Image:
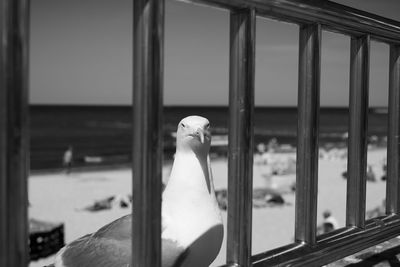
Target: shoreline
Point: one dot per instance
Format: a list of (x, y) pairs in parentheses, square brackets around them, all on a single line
[(168, 158)]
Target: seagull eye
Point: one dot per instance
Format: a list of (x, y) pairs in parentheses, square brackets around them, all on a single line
[(207, 125), (183, 125)]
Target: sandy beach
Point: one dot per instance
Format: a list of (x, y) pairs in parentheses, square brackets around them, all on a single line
[(58, 197)]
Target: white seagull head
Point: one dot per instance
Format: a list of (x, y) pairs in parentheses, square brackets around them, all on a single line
[(193, 134)]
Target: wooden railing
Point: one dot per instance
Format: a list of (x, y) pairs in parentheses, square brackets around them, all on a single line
[(312, 17), (14, 136)]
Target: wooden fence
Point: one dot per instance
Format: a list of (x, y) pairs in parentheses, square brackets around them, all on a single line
[(312, 17)]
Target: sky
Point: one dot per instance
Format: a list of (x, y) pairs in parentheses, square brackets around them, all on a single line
[(81, 53)]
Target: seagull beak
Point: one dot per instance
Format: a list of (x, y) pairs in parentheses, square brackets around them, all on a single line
[(200, 133)]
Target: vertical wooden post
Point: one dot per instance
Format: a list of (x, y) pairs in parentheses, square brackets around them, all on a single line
[(358, 127), (393, 147), (148, 35), (307, 133), (240, 164), (14, 139)]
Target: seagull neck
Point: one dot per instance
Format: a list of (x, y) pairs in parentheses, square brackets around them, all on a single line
[(188, 163)]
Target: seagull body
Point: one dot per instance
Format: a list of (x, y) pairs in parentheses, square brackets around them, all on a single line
[(192, 229)]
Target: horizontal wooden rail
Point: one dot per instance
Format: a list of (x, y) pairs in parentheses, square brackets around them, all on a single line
[(331, 246), (330, 15)]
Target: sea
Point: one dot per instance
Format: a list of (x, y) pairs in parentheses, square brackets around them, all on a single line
[(102, 135)]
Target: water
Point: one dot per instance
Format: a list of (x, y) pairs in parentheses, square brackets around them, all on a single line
[(101, 135)]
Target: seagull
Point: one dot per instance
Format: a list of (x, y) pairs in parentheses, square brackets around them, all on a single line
[(192, 229)]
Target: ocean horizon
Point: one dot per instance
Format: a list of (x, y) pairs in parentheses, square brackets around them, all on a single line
[(101, 135)]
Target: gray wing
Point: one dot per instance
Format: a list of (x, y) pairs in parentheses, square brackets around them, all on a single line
[(108, 247), (90, 251), (111, 247)]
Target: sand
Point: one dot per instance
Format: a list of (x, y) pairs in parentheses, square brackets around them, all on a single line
[(58, 197)]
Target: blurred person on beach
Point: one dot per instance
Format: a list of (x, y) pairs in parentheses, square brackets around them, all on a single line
[(258, 157), (329, 223), (264, 152), (273, 145), (370, 174), (67, 159), (384, 168), (262, 159), (271, 161)]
